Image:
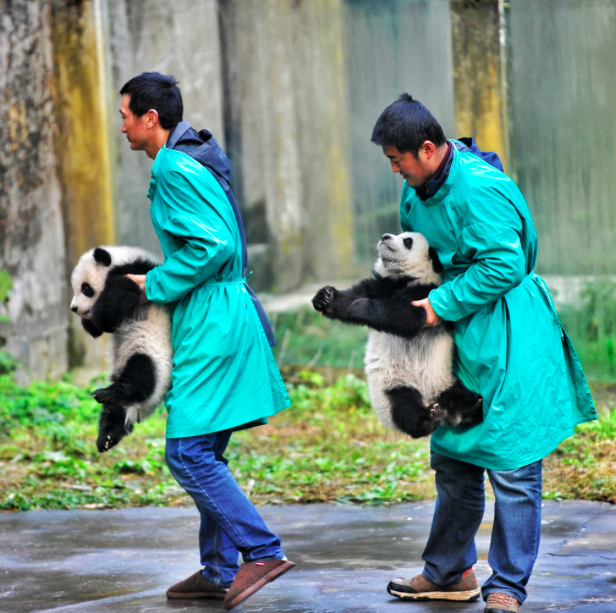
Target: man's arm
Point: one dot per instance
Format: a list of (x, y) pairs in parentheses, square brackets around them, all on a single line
[(498, 266), (206, 242)]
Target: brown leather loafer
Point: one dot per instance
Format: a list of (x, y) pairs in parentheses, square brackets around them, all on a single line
[(195, 587), (252, 576)]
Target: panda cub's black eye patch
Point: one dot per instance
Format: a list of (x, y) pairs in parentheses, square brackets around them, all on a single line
[(86, 290), (408, 243)]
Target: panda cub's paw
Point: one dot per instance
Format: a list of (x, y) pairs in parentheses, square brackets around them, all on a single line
[(104, 395), (436, 411), (323, 298), (112, 427)]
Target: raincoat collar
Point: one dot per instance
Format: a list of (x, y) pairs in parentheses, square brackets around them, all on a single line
[(430, 187), (154, 175), (460, 145), (445, 187)]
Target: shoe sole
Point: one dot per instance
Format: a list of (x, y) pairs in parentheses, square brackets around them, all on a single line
[(271, 576), (467, 596), (191, 595)]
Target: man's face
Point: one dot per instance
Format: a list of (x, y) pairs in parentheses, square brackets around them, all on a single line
[(134, 127), (414, 170)]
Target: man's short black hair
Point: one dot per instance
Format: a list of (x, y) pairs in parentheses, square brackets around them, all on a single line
[(152, 90), (407, 124)]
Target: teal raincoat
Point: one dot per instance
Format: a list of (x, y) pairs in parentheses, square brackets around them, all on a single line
[(224, 373), (511, 346)]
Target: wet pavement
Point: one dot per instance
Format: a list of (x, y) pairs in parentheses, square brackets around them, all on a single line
[(123, 560)]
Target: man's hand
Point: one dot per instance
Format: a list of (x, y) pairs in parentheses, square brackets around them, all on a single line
[(432, 319), (140, 281)]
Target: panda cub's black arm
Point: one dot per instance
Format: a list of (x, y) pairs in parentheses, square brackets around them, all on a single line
[(375, 304), (395, 315), (335, 303), (116, 303)]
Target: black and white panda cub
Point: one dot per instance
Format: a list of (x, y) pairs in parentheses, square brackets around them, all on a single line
[(140, 352), (408, 367)]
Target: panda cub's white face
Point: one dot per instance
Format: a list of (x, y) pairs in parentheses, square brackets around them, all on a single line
[(90, 274), (87, 280), (406, 255)]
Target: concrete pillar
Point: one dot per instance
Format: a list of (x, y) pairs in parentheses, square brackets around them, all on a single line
[(320, 89), (31, 232), (479, 74), (82, 138), (82, 145)]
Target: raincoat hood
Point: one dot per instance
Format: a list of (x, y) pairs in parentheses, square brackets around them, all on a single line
[(467, 144), (200, 146)]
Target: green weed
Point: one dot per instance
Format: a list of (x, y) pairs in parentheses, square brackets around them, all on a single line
[(328, 447)]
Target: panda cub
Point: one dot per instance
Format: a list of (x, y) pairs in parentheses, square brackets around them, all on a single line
[(140, 353), (409, 368)]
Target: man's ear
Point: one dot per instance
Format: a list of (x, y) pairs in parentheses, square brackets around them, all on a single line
[(102, 256), (436, 263), (151, 118), (429, 149)]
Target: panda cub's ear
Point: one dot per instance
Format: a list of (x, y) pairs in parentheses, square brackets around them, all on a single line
[(436, 263), (102, 256)]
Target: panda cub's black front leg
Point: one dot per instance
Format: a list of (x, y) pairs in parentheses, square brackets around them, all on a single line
[(392, 314), (334, 303), (134, 384)]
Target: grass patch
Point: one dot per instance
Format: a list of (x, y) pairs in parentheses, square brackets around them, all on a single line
[(306, 339), (328, 447), (584, 466), (591, 324)]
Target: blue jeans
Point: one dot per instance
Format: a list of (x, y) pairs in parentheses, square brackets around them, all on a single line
[(229, 521), (458, 514)]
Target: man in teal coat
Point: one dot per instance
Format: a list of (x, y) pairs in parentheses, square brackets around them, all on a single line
[(512, 350), (224, 375)]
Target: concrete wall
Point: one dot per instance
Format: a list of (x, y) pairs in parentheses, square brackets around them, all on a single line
[(291, 89), (179, 38), (286, 129), (563, 87), (31, 231), (390, 47)]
